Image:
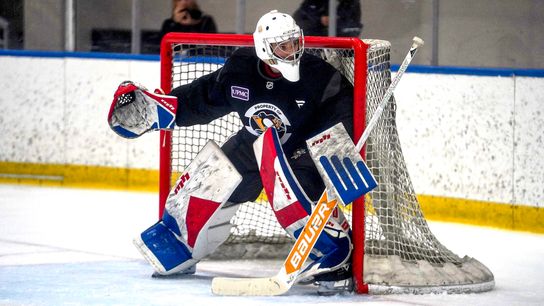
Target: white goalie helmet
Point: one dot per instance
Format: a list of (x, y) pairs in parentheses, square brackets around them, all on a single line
[(279, 42)]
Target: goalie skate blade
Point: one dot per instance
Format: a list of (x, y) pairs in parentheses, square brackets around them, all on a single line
[(266, 286)]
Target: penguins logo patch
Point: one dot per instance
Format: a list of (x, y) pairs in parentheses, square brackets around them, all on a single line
[(262, 116)]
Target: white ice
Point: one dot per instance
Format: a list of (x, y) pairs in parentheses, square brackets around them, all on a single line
[(63, 246)]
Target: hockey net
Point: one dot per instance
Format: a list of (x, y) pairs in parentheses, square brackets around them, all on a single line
[(394, 249)]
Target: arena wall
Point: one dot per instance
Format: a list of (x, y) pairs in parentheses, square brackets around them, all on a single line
[(472, 138)]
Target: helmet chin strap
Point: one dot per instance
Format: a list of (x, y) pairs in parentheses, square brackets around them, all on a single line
[(274, 70)]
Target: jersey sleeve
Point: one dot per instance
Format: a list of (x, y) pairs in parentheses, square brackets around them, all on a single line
[(202, 100)]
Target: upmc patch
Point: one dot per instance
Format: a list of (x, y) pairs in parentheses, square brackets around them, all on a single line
[(239, 93)]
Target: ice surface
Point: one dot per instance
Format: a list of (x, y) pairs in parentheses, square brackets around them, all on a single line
[(63, 246)]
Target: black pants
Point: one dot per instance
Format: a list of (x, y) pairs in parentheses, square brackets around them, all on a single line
[(241, 154)]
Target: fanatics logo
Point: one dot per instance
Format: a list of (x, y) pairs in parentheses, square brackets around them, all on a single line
[(239, 93)]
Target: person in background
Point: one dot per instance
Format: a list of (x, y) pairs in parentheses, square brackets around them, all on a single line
[(313, 18), (187, 17)]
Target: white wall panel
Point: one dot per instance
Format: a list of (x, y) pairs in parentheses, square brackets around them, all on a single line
[(529, 141), (457, 132), (32, 116), (90, 87)]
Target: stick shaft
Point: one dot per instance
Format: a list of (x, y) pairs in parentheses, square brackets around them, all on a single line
[(383, 103)]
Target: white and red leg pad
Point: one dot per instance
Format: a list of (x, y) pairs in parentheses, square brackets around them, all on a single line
[(292, 206), (195, 221), (134, 110), (289, 202)]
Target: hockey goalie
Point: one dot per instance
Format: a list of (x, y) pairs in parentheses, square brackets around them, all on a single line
[(273, 86)]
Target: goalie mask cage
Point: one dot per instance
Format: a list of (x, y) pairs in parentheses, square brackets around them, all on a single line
[(394, 250)]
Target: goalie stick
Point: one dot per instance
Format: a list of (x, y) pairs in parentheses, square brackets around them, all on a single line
[(338, 160), (286, 277)]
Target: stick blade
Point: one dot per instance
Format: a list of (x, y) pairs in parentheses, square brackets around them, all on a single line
[(266, 286)]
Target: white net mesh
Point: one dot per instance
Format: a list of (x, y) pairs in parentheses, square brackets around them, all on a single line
[(400, 249), (401, 253)]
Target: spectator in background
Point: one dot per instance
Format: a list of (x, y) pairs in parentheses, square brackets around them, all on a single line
[(187, 17), (313, 18)]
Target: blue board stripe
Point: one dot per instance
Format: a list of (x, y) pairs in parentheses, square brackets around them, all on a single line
[(478, 71)]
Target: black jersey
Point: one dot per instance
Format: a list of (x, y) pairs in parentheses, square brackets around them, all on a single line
[(298, 110)]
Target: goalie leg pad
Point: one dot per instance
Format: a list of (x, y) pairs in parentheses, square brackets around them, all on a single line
[(289, 202), (215, 231), (196, 220), (162, 246), (134, 111)]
